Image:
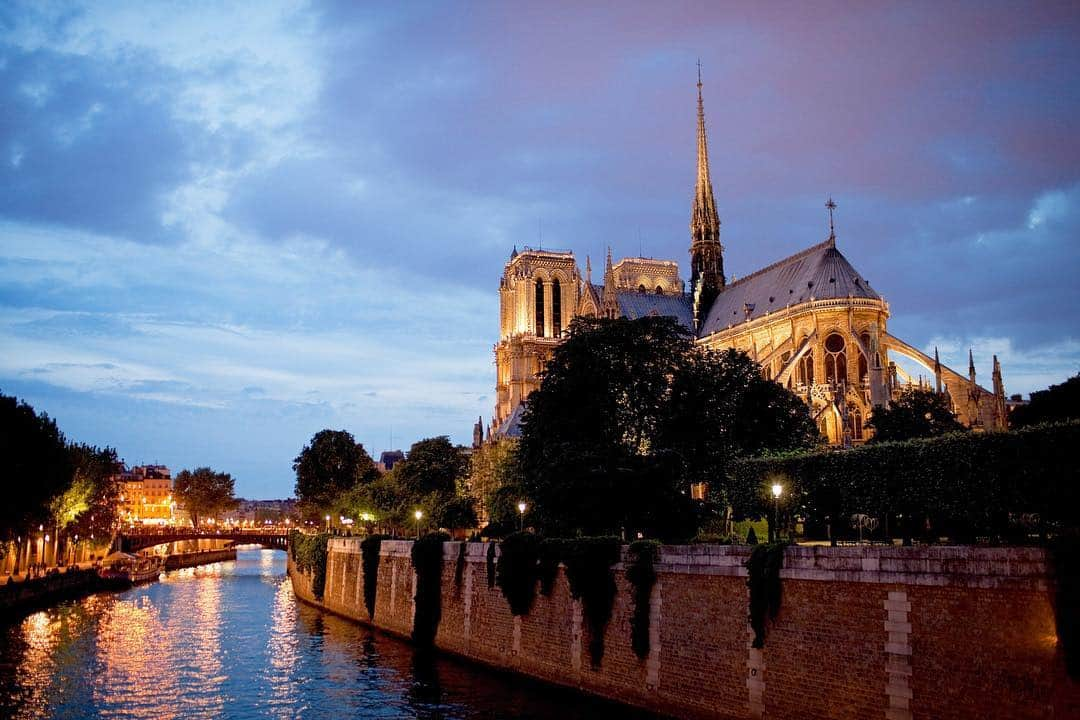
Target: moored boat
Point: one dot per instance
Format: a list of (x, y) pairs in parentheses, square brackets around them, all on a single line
[(126, 569)]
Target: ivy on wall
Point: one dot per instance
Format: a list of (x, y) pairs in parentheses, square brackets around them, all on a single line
[(588, 564), (516, 574), (1065, 560), (549, 556), (641, 574), (427, 560), (309, 554), (763, 579), (491, 565), (369, 554), (459, 567)]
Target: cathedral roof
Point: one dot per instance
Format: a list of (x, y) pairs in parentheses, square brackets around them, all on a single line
[(634, 305), (820, 272), (511, 426)]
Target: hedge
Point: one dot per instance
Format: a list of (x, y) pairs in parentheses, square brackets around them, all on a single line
[(997, 485)]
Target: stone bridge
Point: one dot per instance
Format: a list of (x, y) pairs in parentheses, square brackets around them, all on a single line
[(140, 540)]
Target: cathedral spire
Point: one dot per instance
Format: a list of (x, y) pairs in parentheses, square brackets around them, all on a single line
[(937, 371), (706, 253)]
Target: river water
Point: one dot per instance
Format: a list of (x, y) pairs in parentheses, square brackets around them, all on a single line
[(229, 640)]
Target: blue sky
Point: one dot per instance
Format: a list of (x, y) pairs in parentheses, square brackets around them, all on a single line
[(224, 227)]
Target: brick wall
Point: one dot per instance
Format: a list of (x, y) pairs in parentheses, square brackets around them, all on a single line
[(894, 633)]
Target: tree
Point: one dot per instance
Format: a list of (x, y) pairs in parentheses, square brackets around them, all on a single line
[(629, 413), (1056, 403), (492, 466), (34, 465), (915, 413), (331, 464), (204, 492), (101, 468), (433, 465)]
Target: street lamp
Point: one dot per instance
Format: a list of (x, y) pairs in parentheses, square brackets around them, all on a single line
[(418, 514), (777, 489), (327, 523), (521, 515)]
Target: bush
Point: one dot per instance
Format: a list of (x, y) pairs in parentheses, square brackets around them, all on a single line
[(309, 554), (641, 574), (369, 553), (427, 560), (964, 485), (763, 579), (517, 573)]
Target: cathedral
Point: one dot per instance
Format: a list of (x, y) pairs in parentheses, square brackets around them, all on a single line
[(811, 321)]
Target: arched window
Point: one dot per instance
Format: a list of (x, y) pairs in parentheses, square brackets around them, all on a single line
[(659, 290), (641, 288), (864, 370), (539, 308), (835, 359), (806, 368), (556, 309), (856, 424)]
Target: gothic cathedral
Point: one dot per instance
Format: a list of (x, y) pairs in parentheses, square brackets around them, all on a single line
[(811, 321)]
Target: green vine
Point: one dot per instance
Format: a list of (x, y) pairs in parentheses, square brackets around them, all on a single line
[(309, 554), (517, 571), (550, 555), (1065, 558), (763, 579), (427, 560), (588, 568), (641, 574), (459, 568), (491, 565), (369, 553)]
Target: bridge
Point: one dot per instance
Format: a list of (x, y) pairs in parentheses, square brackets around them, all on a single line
[(140, 539)]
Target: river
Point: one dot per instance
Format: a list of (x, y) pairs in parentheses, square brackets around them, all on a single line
[(229, 640)]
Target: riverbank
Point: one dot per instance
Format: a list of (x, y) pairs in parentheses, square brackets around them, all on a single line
[(861, 632), (17, 597)]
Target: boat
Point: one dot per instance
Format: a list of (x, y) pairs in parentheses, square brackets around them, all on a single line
[(122, 568)]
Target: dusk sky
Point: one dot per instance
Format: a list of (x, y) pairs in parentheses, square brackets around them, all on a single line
[(226, 227)]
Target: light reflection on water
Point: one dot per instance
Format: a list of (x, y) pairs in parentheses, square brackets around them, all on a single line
[(229, 640)]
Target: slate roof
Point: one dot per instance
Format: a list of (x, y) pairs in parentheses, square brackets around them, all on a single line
[(634, 305), (820, 272), (511, 426)]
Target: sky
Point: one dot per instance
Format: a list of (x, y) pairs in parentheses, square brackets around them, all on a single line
[(227, 226)]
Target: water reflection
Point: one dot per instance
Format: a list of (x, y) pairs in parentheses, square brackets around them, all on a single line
[(230, 641)]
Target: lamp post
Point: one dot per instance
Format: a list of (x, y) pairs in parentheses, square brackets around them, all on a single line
[(418, 514), (521, 515), (777, 489), (327, 523)]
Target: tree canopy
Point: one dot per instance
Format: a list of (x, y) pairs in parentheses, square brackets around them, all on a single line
[(914, 413), (36, 466), (204, 492), (331, 464), (1056, 403), (629, 413)]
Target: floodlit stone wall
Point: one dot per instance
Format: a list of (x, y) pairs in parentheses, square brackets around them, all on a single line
[(942, 632)]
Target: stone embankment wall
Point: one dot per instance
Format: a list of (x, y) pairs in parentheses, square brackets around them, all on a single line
[(937, 632)]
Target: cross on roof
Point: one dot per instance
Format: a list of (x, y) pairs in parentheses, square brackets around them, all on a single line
[(831, 206)]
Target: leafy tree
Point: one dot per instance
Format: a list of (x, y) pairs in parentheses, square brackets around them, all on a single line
[(204, 492), (331, 464), (629, 413), (35, 466), (1056, 403), (491, 467), (101, 468), (433, 465), (915, 413)]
